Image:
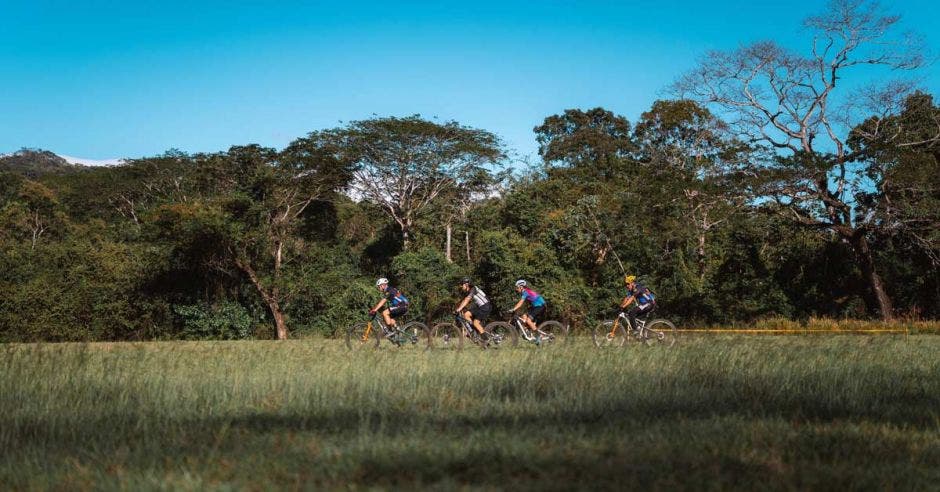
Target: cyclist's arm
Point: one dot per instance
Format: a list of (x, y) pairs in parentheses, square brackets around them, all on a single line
[(518, 304), (379, 305), (463, 304), (626, 302)]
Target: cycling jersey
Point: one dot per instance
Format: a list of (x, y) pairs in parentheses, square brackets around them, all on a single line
[(533, 297), (642, 295), (478, 296), (394, 297)]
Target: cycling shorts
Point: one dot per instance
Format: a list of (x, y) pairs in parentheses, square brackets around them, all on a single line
[(481, 313)]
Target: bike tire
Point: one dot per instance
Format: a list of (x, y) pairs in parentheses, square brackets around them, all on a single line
[(502, 334), (661, 332), (508, 336), (445, 336), (558, 333), (355, 336), (419, 335), (601, 335)]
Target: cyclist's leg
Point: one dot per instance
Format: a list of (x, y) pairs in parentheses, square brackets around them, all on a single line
[(631, 315), (395, 312), (533, 316), (640, 311), (387, 317), (478, 315)]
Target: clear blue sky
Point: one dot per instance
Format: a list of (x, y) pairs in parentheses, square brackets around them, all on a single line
[(104, 79)]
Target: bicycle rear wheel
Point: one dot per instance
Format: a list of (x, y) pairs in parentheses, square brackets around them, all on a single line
[(553, 333), (605, 335), (502, 334), (359, 336), (661, 332), (415, 335), (445, 336)]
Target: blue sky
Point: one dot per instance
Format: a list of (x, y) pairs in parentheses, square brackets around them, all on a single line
[(99, 79)]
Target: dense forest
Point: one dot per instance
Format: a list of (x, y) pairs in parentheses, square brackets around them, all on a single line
[(733, 204)]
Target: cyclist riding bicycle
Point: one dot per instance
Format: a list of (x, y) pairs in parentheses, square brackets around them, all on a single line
[(397, 303), (536, 304), (481, 308), (645, 300)]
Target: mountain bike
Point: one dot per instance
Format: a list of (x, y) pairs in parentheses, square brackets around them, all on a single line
[(548, 333), (405, 334), (618, 332), (452, 335)]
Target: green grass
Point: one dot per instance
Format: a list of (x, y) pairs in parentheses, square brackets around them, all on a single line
[(821, 412)]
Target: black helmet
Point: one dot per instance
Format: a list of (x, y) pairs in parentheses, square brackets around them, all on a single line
[(464, 280)]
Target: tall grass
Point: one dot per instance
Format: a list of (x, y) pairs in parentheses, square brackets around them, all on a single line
[(717, 412)]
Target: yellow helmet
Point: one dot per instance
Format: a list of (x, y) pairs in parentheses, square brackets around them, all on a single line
[(629, 279)]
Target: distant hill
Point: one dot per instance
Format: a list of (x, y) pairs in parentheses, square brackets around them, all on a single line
[(35, 163)]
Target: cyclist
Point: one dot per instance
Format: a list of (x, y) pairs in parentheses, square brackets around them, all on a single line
[(397, 303), (536, 304), (481, 308), (645, 300)]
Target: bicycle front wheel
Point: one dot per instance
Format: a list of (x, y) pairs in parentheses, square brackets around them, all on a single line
[(361, 335), (553, 333), (445, 336), (606, 335), (502, 334), (661, 332)]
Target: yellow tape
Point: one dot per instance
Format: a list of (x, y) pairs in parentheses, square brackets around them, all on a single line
[(768, 330)]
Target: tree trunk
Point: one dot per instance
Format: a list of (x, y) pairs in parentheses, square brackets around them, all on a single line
[(866, 262), (406, 235), (700, 252), (466, 238), (270, 298), (447, 252)]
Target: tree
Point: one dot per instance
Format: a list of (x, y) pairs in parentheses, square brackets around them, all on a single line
[(904, 196), (251, 203), (691, 159), (595, 139), (404, 164), (797, 107)]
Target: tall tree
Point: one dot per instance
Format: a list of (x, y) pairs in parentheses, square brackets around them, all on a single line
[(404, 164), (904, 196), (595, 139), (797, 106), (691, 159), (251, 205)]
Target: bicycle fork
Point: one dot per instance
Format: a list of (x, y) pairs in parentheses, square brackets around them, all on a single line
[(365, 334)]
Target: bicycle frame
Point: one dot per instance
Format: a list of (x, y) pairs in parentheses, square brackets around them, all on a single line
[(524, 329), (641, 328), (385, 329)]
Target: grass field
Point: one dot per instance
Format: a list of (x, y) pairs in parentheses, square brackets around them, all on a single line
[(716, 412)]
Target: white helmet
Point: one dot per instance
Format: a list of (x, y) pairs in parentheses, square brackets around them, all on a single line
[(379, 282), (521, 283)]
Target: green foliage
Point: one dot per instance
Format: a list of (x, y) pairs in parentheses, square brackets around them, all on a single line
[(226, 321), (427, 279), (192, 246)]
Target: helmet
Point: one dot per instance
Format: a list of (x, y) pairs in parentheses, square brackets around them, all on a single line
[(521, 283), (629, 279), (379, 282), (464, 280)]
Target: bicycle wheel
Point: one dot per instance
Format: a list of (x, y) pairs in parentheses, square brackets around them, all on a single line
[(605, 335), (357, 336), (553, 333), (502, 334), (661, 332), (445, 336), (415, 335)]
